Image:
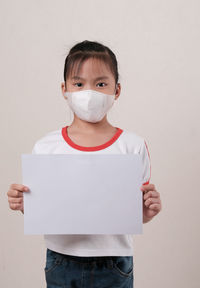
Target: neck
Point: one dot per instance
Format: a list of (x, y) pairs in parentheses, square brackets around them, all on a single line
[(78, 124)]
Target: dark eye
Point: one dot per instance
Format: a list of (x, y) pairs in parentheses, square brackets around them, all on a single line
[(102, 83), (78, 83)]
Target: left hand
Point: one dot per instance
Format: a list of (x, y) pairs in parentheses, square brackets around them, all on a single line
[(151, 201)]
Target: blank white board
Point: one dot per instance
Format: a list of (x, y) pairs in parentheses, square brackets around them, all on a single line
[(82, 194)]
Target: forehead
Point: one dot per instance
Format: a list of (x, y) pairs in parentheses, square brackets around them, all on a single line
[(91, 68)]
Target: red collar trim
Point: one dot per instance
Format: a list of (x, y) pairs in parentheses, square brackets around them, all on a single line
[(91, 148)]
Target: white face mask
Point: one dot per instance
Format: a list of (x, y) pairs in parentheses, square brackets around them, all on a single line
[(90, 105)]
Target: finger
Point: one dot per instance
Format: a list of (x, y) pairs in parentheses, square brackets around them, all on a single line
[(150, 201), (155, 207), (152, 194), (15, 200), (15, 193), (19, 187), (147, 187), (15, 206)]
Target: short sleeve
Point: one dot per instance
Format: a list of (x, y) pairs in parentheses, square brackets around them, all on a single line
[(146, 161)]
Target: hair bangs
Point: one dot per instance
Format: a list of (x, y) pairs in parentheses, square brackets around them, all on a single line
[(76, 61)]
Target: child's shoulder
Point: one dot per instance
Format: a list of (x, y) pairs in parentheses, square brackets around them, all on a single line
[(131, 141), (47, 140), (50, 136), (132, 137)]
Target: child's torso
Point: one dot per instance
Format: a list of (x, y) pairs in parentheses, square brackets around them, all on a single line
[(122, 142)]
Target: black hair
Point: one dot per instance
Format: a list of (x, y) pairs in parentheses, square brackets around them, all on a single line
[(90, 49)]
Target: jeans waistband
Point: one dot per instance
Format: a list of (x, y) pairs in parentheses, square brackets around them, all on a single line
[(108, 260)]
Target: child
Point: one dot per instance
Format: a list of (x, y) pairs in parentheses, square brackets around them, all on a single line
[(91, 87)]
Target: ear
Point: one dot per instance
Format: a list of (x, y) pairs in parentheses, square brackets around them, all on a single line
[(63, 89), (118, 90)]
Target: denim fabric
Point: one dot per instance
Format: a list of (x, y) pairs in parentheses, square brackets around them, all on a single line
[(69, 271)]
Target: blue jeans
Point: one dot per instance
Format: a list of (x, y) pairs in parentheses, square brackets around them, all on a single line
[(69, 271)]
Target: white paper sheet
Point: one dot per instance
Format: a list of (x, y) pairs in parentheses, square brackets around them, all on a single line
[(82, 194)]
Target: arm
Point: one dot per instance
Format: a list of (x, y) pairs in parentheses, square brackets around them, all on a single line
[(151, 197)]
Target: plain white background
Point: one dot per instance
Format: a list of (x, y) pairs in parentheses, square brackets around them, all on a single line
[(157, 46)]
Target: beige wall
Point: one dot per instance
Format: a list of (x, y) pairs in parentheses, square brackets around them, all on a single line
[(157, 45)]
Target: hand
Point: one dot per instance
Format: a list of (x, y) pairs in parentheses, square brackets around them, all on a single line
[(15, 196), (151, 202)]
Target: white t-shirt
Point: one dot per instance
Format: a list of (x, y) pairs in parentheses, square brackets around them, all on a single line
[(123, 142)]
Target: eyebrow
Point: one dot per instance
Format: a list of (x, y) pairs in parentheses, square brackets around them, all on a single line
[(98, 78)]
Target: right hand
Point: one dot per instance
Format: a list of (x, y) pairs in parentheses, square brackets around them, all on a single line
[(15, 196)]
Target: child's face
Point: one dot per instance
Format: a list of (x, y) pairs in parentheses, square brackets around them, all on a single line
[(91, 70)]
